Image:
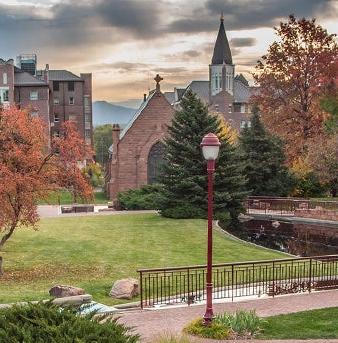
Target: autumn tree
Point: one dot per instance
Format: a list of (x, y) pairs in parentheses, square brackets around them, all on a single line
[(291, 77), (31, 167), (323, 159)]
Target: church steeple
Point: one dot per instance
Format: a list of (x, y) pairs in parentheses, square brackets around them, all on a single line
[(222, 52), (221, 69)]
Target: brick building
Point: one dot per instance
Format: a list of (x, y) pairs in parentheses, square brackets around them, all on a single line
[(53, 95), (137, 150)]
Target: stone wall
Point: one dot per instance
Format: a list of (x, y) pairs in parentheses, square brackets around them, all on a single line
[(317, 213)]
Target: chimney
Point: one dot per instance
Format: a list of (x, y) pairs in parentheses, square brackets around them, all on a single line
[(116, 136), (144, 97), (46, 73)]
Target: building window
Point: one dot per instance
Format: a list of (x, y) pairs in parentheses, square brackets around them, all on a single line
[(72, 117), (4, 78), (71, 100), (33, 95), (56, 133), (56, 86), (86, 101), (243, 124), (88, 133), (56, 101), (56, 118), (230, 108), (87, 118), (70, 86), (4, 95), (249, 123), (243, 108)]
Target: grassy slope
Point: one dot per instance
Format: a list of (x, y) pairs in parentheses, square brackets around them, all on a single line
[(92, 252), (314, 324)]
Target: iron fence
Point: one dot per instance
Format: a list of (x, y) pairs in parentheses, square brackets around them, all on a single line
[(285, 206), (231, 280)]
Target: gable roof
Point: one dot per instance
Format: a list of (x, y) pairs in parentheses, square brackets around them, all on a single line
[(22, 78), (170, 96), (242, 92), (201, 89), (63, 75), (222, 52), (137, 114)]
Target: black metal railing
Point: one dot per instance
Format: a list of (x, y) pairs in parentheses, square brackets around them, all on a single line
[(285, 206), (230, 280)]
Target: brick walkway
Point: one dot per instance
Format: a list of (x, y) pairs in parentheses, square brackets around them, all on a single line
[(151, 324)]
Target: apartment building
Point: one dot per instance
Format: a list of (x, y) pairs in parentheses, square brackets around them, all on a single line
[(54, 95)]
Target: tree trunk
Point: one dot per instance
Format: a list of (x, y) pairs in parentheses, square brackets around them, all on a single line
[(1, 266)]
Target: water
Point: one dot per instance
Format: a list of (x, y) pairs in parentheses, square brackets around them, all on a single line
[(301, 239)]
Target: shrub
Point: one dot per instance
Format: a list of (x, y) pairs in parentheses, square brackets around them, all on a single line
[(48, 323), (147, 197), (185, 211), (242, 323), (215, 330)]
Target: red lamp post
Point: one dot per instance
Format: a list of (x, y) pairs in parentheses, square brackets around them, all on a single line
[(210, 148)]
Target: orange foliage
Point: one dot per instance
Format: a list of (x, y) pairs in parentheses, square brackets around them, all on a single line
[(292, 76), (30, 169)]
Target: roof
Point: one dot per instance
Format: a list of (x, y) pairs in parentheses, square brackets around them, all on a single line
[(22, 78), (63, 75), (222, 52), (242, 92), (170, 96), (241, 78), (180, 92), (201, 89)]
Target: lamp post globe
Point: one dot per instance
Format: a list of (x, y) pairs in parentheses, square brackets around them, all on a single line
[(210, 148)]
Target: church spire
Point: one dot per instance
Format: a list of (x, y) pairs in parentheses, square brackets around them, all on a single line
[(222, 52)]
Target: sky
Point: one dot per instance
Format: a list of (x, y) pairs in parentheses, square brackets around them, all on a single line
[(125, 43)]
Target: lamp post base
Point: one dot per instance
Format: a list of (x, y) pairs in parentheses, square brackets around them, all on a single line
[(209, 314)]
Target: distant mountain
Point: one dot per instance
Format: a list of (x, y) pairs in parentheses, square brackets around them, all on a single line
[(109, 113), (131, 103)]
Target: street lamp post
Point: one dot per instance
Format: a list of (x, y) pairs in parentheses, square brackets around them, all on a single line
[(210, 148)]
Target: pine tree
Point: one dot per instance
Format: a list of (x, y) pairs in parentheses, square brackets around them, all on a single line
[(264, 160), (184, 175)]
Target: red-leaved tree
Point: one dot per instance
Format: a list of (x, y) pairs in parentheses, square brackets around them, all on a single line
[(292, 76), (31, 167)]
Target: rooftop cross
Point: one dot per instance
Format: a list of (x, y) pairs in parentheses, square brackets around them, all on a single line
[(158, 79)]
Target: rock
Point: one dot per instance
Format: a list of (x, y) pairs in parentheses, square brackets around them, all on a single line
[(125, 289), (61, 291)]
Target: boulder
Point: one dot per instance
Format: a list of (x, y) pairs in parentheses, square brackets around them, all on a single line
[(61, 291), (125, 289)]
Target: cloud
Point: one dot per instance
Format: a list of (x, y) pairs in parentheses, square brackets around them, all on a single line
[(250, 14), (242, 42)]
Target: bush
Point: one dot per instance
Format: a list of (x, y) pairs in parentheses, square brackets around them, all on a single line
[(147, 197), (185, 211), (48, 323), (215, 330), (308, 186), (242, 323)]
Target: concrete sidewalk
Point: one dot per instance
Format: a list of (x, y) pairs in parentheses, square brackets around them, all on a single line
[(153, 323)]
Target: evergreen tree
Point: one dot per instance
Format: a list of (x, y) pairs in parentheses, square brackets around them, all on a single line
[(184, 174), (264, 160)]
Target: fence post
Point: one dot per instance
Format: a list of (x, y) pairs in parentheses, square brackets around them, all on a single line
[(273, 279), (232, 283), (141, 290), (310, 276)]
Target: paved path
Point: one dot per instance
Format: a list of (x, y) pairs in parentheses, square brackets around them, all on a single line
[(150, 324)]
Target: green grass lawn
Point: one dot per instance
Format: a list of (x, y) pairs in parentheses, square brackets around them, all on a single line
[(313, 324), (94, 251), (65, 198)]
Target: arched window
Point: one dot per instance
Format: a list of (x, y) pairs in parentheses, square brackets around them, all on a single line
[(155, 161)]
